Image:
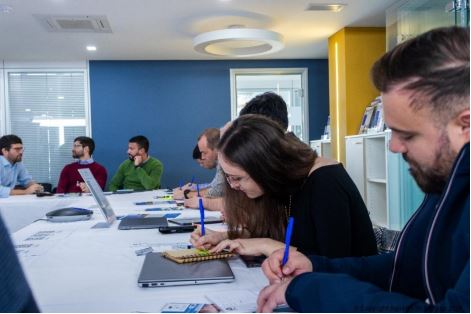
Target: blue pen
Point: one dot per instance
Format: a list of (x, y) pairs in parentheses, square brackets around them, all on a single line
[(181, 185), (192, 180), (198, 189), (201, 216), (289, 231)]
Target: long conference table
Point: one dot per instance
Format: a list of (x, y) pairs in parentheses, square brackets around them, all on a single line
[(72, 267)]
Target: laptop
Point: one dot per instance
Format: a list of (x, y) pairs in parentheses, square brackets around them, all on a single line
[(192, 221), (127, 223), (157, 271)]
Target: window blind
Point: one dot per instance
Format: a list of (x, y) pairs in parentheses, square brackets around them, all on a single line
[(47, 110)]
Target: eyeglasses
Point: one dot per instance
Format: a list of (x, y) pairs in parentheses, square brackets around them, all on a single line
[(78, 145), (18, 149), (236, 179)]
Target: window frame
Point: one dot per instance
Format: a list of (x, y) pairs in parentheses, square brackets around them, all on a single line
[(273, 71), (36, 67)]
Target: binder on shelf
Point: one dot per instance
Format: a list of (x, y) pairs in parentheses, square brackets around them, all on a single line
[(365, 123), (194, 255), (326, 134), (373, 120)]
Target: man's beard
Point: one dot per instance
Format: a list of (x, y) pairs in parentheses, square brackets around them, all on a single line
[(76, 155), (18, 159), (433, 179), (131, 157)]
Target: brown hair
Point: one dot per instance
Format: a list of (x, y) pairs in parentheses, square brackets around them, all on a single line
[(212, 136), (435, 65), (278, 162)]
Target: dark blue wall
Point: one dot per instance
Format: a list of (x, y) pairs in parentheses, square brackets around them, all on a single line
[(171, 102)]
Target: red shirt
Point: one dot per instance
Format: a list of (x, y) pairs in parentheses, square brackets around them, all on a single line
[(70, 176)]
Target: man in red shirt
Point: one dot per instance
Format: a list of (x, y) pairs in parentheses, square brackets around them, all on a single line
[(70, 180)]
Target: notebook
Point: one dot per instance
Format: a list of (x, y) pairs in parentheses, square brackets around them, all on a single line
[(157, 271), (194, 255), (127, 223)]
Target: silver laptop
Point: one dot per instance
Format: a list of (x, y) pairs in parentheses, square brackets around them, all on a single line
[(127, 223), (157, 271)]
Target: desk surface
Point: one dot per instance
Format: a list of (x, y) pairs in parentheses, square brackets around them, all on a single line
[(72, 267)]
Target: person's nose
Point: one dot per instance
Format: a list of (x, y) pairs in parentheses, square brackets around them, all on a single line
[(396, 145)]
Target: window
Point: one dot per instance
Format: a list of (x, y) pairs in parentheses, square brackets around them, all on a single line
[(290, 84), (47, 109)]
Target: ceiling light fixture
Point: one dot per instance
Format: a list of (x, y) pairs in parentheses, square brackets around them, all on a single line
[(337, 7), (238, 42), (91, 48)]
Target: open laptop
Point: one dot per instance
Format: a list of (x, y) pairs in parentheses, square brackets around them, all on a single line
[(127, 223), (157, 271)]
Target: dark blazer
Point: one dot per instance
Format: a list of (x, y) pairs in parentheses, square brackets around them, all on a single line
[(429, 271), (15, 294)]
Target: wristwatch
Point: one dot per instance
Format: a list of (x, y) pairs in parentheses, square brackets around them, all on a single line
[(185, 193)]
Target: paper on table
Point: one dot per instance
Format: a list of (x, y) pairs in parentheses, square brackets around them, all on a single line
[(235, 301)]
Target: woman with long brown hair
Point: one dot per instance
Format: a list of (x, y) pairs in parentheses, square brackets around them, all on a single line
[(272, 175)]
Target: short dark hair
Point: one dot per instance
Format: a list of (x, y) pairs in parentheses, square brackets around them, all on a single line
[(269, 105), (7, 140), (141, 141), (434, 65), (86, 141), (196, 152), (212, 136)]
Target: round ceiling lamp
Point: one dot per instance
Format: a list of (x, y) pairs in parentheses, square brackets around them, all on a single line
[(238, 42)]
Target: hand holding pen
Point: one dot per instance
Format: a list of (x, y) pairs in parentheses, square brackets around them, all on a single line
[(296, 264)]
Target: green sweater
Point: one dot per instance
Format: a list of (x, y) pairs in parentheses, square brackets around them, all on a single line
[(145, 177)]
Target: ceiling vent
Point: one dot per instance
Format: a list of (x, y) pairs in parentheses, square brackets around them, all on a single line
[(332, 7), (75, 23)]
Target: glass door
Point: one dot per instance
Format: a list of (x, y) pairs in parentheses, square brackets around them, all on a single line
[(290, 84), (407, 19)]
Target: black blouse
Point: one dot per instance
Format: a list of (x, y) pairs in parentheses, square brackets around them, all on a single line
[(330, 217)]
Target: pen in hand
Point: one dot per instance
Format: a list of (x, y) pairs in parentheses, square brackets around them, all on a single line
[(289, 231), (192, 180), (198, 189), (201, 216)]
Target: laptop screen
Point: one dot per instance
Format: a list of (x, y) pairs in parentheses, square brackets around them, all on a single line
[(98, 194)]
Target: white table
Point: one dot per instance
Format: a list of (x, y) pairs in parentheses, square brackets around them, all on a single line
[(20, 210), (72, 267)]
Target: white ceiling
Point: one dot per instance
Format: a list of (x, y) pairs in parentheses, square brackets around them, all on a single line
[(164, 29)]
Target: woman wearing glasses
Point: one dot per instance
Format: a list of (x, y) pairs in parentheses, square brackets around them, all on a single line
[(272, 175)]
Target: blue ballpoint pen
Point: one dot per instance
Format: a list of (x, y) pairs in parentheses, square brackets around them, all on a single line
[(289, 231), (192, 180), (198, 189), (201, 216), (181, 185)]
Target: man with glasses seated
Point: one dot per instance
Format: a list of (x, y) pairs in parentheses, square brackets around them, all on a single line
[(13, 173), (70, 180)]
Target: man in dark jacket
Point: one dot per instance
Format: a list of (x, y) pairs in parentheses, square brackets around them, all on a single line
[(15, 294), (425, 88)]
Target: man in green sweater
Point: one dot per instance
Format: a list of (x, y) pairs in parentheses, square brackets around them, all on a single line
[(141, 171)]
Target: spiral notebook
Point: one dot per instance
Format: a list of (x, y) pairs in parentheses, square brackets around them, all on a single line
[(194, 255)]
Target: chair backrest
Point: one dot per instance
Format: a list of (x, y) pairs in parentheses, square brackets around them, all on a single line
[(386, 239)]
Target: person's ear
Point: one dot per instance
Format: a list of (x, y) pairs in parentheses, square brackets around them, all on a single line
[(458, 130), (463, 122)]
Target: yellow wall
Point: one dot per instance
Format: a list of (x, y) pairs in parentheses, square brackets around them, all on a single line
[(352, 52)]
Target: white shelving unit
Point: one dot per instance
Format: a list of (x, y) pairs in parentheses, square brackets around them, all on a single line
[(366, 158), (322, 147), (376, 178), (382, 178)]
